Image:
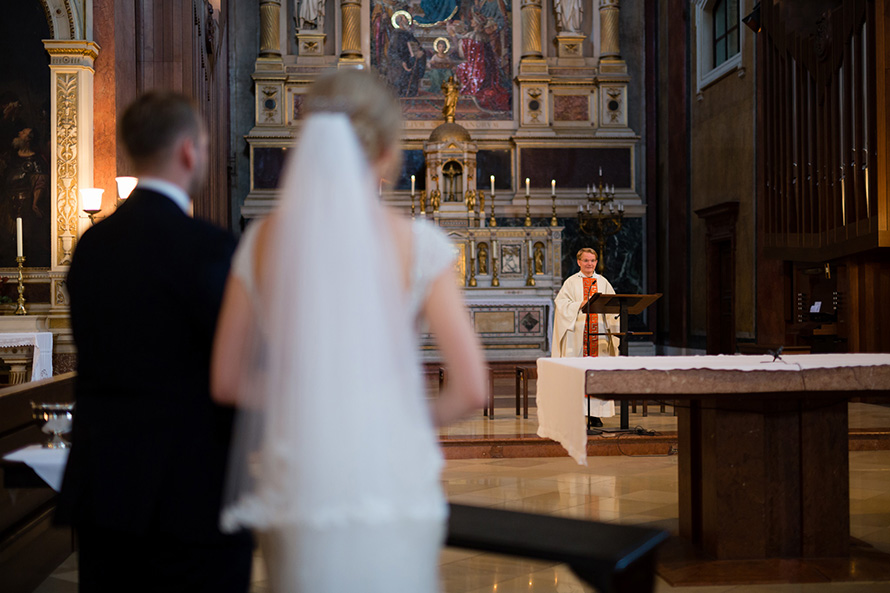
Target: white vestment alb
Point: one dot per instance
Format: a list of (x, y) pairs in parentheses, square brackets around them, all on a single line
[(568, 330)]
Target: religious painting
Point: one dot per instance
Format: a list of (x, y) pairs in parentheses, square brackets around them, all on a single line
[(24, 135), (511, 259), (418, 45)]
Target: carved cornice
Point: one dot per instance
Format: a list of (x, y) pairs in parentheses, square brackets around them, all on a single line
[(71, 53)]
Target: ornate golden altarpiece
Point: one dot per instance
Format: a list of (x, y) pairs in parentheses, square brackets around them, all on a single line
[(569, 91)]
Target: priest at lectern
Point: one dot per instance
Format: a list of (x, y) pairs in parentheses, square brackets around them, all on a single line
[(577, 334)]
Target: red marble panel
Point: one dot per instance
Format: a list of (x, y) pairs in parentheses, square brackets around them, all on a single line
[(571, 108)]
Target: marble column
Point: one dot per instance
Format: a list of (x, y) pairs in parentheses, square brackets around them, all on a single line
[(270, 29), (351, 45), (71, 158)]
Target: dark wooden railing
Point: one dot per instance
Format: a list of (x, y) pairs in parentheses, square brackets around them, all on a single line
[(30, 546)]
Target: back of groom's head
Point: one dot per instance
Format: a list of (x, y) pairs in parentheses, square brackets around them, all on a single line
[(153, 124)]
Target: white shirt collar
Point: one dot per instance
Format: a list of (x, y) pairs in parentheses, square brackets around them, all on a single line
[(168, 189)]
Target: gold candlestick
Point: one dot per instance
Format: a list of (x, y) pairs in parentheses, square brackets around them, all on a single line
[(528, 218), (472, 282), (412, 204), (494, 264), (20, 310), (530, 281), (492, 222), (553, 220)]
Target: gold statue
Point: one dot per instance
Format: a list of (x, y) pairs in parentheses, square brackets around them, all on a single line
[(449, 89), (482, 256), (435, 195), (539, 259), (470, 199)]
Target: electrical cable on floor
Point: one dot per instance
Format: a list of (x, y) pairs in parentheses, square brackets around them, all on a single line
[(637, 431)]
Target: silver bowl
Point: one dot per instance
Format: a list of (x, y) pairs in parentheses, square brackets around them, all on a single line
[(55, 420)]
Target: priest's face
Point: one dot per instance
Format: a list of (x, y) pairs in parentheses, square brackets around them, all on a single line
[(587, 263)]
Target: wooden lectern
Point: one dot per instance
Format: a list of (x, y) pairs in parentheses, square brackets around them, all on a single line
[(623, 305)]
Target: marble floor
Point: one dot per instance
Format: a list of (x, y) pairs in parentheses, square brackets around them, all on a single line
[(620, 489)]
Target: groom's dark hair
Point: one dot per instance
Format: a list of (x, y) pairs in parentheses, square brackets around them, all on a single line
[(153, 123)]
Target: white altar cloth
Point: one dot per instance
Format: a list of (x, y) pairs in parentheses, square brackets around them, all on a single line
[(49, 464), (561, 383), (42, 366)]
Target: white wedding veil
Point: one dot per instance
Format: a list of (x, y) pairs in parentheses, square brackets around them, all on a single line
[(334, 370)]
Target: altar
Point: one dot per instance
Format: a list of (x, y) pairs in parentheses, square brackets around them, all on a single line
[(763, 457), (27, 347)]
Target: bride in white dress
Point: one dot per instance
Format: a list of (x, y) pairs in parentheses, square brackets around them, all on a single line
[(336, 460)]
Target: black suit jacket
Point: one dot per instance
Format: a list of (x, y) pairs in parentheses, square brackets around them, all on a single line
[(149, 446)]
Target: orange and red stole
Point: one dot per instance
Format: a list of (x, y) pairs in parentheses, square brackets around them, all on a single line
[(591, 332)]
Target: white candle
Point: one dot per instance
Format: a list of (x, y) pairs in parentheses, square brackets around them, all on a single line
[(412, 186), (472, 250), (553, 187), (18, 238), (529, 247), (526, 186), (601, 170), (611, 208), (620, 206), (588, 189), (492, 185), (380, 189)]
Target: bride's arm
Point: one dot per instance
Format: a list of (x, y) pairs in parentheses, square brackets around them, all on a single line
[(230, 343), (467, 388)]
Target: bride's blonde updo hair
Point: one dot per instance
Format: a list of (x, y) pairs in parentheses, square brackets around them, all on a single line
[(372, 108)]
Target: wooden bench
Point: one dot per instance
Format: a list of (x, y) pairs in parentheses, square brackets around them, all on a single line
[(611, 558)]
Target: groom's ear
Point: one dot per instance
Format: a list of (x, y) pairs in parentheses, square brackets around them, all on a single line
[(187, 152)]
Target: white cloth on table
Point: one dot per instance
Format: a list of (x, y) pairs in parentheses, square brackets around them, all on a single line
[(42, 366), (47, 463), (562, 383)]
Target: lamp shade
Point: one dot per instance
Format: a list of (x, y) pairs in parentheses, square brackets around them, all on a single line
[(91, 199), (125, 185)]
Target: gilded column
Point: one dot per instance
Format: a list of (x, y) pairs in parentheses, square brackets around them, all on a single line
[(531, 29), (71, 155), (270, 28), (351, 18), (609, 27)]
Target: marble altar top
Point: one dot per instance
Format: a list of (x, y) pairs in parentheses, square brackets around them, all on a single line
[(695, 375)]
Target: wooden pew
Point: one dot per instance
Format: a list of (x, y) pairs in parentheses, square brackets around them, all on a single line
[(612, 558), (30, 546)]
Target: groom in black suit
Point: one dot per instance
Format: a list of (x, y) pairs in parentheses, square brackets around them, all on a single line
[(145, 476)]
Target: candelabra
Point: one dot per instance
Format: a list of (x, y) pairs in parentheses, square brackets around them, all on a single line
[(20, 309), (599, 218)]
